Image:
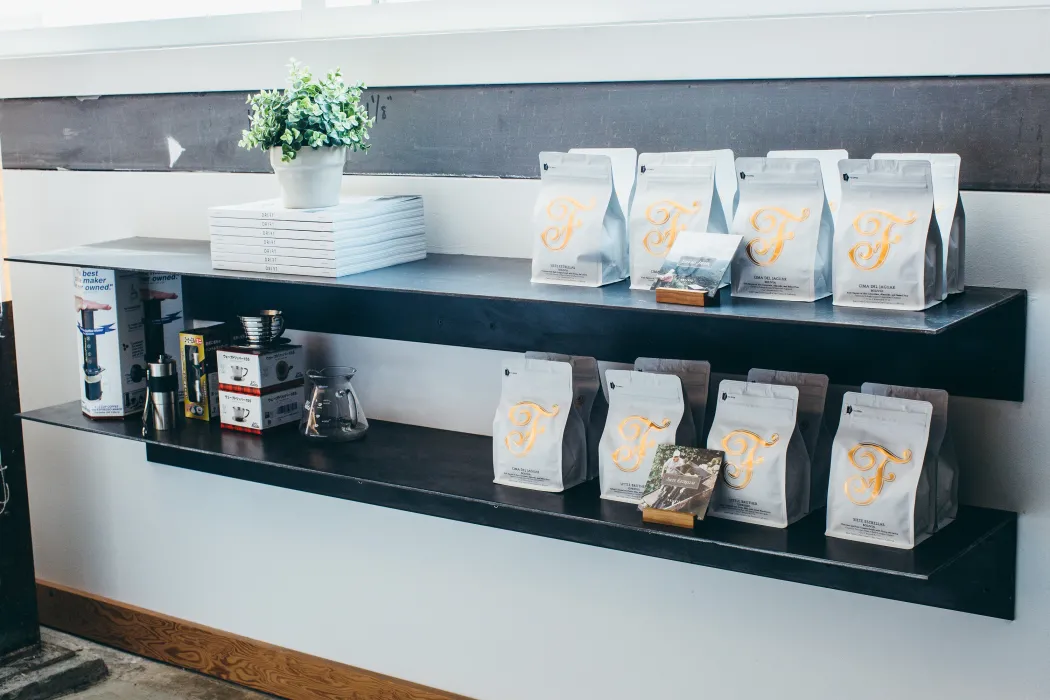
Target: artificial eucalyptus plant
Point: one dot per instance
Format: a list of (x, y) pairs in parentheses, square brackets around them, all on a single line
[(314, 112)]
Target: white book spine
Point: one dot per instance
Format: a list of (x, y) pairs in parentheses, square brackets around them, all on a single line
[(277, 269), (257, 234), (218, 250), (277, 238), (269, 245), (269, 224), (250, 228), (315, 271), (352, 208), (327, 263), (299, 215), (383, 246), (328, 254), (362, 255)]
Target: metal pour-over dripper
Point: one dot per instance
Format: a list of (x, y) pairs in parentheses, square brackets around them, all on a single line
[(92, 372), (263, 329)]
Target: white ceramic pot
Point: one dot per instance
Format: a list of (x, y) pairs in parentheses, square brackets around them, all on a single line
[(312, 178)]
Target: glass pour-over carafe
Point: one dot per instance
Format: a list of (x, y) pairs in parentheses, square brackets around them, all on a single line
[(332, 411)]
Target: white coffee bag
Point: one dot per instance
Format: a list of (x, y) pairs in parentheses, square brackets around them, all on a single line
[(879, 491), (812, 392), (765, 479), (948, 209), (580, 232), (538, 440), (787, 229), (943, 467), (696, 377), (887, 244), (829, 171), (675, 192), (624, 169), (585, 396), (645, 410)]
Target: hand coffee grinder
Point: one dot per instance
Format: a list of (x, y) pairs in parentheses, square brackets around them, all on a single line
[(92, 372), (162, 394)]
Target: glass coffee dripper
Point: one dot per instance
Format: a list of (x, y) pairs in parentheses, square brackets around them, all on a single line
[(332, 411)]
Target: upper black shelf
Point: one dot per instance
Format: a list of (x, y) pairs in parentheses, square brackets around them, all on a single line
[(969, 566), (972, 344), (509, 279)]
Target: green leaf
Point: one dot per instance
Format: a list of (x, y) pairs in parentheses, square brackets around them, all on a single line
[(312, 112)]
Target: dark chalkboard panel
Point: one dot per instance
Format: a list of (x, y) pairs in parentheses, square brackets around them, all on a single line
[(18, 619), (997, 124)]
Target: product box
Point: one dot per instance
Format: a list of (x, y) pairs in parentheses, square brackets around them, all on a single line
[(251, 413), (112, 342), (200, 377), (162, 313), (260, 370)]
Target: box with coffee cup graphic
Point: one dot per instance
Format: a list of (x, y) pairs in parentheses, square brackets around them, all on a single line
[(253, 413), (256, 371)]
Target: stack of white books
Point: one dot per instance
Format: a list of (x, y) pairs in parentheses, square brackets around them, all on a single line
[(357, 235)]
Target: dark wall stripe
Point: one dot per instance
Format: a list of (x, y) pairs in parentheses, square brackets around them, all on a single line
[(996, 124)]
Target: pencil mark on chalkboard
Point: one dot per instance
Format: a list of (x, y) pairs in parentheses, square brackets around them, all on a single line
[(374, 109)]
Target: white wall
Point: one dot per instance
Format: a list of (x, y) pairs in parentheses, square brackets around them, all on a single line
[(487, 613), (492, 614), (970, 42)]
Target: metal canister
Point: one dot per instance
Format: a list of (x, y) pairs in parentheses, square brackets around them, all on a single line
[(162, 393)]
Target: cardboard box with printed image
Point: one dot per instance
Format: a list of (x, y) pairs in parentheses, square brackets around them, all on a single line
[(112, 347), (248, 370), (200, 377), (251, 413)]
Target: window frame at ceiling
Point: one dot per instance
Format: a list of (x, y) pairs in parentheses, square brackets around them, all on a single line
[(317, 21)]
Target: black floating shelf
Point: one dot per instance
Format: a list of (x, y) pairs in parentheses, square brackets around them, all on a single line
[(971, 345), (969, 566)]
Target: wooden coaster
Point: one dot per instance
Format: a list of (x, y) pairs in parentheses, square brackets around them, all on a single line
[(668, 517), (682, 296)]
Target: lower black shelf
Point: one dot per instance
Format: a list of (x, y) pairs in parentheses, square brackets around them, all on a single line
[(969, 566)]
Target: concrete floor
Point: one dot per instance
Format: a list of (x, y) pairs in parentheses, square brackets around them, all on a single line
[(134, 678)]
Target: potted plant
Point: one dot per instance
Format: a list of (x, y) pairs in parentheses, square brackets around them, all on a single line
[(308, 130)]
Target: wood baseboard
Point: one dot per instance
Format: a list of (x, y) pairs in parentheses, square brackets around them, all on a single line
[(246, 662)]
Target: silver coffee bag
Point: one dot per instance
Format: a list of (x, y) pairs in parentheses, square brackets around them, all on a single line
[(948, 209), (696, 378), (943, 468), (812, 393), (586, 391)]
